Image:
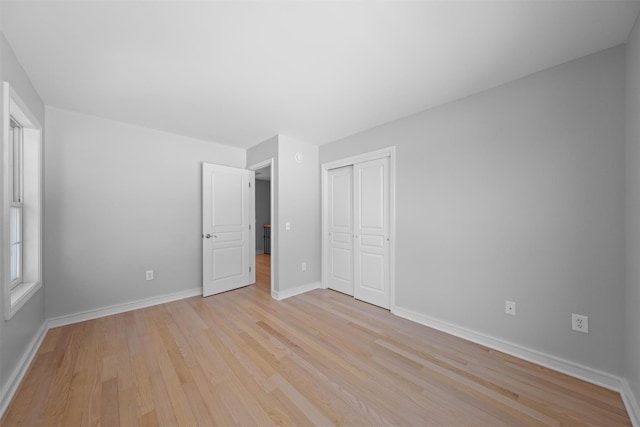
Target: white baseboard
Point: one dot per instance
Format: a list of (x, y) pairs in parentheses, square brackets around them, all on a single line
[(121, 308), (568, 367), (631, 403), (295, 291), (594, 376), (19, 372), (259, 251), (585, 373)]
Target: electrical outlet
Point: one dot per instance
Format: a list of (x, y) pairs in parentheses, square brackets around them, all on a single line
[(149, 274), (580, 323), (287, 225), (510, 307), (304, 266)]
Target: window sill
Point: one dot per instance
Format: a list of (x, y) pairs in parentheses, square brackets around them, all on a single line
[(20, 295)]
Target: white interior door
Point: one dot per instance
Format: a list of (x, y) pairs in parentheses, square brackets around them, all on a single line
[(228, 235), (340, 221), (371, 232)]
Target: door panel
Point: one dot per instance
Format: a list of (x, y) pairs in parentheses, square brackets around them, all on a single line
[(341, 190), (227, 262), (371, 189), (228, 236), (227, 188), (372, 271), (371, 229), (341, 264), (369, 241), (340, 210), (337, 237)]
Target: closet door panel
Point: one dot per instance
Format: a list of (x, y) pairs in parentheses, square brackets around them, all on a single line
[(371, 232), (340, 210)]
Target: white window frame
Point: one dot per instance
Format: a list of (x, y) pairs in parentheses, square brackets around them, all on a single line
[(29, 201), (15, 198)]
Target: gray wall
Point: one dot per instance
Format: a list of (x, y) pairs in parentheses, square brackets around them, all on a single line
[(120, 200), (17, 333), (299, 186), (516, 193), (263, 211), (296, 200), (632, 296)]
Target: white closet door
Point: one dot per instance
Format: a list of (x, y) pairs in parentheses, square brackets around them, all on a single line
[(371, 232), (340, 248)]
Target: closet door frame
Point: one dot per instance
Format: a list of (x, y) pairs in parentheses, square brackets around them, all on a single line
[(389, 152)]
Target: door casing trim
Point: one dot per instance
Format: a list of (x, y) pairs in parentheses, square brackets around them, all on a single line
[(273, 257)]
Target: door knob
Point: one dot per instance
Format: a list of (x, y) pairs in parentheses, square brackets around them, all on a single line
[(208, 236)]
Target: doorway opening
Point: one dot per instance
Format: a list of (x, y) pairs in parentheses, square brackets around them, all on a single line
[(264, 217)]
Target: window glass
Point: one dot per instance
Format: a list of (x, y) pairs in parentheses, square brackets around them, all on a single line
[(14, 252), (14, 225), (15, 208), (16, 162)]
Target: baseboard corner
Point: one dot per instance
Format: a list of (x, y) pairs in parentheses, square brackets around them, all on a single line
[(631, 403), (16, 377), (288, 293)]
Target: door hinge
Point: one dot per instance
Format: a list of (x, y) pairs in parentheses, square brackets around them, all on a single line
[(249, 226), (249, 184), (249, 269)]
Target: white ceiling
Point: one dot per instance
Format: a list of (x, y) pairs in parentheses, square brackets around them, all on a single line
[(240, 72)]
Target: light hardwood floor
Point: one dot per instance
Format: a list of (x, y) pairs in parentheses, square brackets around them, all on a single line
[(322, 358)]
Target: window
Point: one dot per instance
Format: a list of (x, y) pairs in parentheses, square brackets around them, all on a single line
[(22, 203), (15, 204)]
